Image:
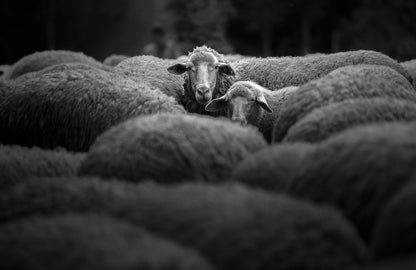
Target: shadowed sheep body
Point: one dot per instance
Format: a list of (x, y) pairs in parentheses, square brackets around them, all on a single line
[(394, 233), (272, 168), (70, 108), (361, 81), (171, 148), (359, 170), (207, 74), (153, 71), (89, 242), (18, 163), (249, 103), (326, 121), (232, 226), (40, 60), (275, 73), (3, 70)]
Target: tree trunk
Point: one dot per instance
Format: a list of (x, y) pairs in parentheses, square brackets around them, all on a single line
[(266, 41), (305, 32)]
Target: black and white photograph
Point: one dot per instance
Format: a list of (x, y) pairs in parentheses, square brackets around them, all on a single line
[(207, 135)]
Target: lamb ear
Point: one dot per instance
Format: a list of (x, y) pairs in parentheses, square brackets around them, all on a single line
[(178, 69), (226, 69), (263, 103), (217, 104)]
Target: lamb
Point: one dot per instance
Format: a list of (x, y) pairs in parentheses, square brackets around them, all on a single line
[(40, 60), (394, 232), (324, 122), (360, 81), (70, 108), (272, 168), (89, 242), (275, 73), (358, 171), (115, 59), (249, 103), (410, 67), (153, 71), (207, 75), (171, 148), (18, 163), (232, 226)]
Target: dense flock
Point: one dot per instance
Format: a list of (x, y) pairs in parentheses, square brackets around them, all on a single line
[(208, 161)]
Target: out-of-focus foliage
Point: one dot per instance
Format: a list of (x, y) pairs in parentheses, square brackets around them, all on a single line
[(253, 27), (201, 22), (382, 25)]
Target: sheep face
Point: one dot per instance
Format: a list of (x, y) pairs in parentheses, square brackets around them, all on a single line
[(203, 70), (241, 103)]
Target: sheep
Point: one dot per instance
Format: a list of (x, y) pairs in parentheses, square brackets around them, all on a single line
[(360, 81), (231, 225), (40, 60), (272, 168), (358, 171), (89, 242), (394, 232), (70, 108), (17, 163), (153, 70), (249, 103), (326, 121), (207, 75), (410, 67), (171, 148), (115, 59), (275, 73)]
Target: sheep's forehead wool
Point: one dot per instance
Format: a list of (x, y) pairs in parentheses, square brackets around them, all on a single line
[(245, 89), (202, 57)]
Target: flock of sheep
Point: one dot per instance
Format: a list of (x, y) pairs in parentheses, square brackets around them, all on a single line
[(208, 161)]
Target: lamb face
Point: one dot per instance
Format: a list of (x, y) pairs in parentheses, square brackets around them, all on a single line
[(242, 102)]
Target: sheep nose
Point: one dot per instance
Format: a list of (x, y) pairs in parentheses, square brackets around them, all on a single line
[(240, 120), (202, 89)]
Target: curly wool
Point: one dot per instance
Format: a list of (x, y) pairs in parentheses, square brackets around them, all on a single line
[(324, 122), (275, 73), (223, 83), (171, 148), (70, 108), (359, 170), (18, 163), (90, 242), (153, 71), (40, 60), (361, 81), (394, 232), (115, 59), (226, 223), (272, 168)]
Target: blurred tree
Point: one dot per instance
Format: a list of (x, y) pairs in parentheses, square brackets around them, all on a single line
[(382, 25), (201, 22)]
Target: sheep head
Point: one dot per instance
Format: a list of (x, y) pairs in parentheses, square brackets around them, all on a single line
[(244, 100), (204, 66)]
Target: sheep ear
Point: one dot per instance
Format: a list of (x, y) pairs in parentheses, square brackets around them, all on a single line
[(263, 103), (178, 69), (226, 69), (217, 104)]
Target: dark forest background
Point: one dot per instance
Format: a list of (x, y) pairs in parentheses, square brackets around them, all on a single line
[(260, 27)]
